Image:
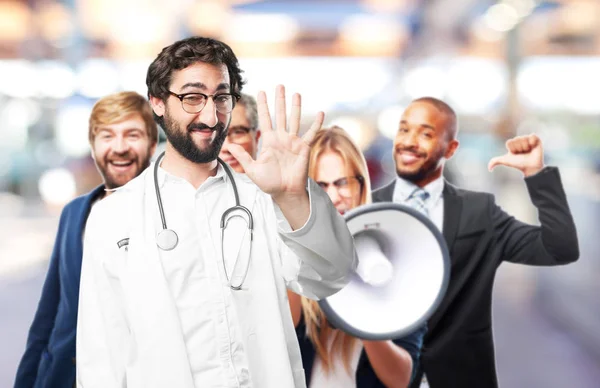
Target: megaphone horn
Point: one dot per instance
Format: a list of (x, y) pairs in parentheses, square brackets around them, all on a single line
[(402, 274)]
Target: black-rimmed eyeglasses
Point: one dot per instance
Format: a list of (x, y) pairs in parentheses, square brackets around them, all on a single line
[(195, 102)]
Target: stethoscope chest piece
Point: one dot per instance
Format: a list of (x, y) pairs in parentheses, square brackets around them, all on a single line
[(167, 239)]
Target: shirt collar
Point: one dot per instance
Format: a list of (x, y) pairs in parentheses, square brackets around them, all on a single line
[(165, 177), (404, 188)]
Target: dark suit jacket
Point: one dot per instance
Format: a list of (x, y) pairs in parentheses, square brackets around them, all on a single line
[(365, 375), (50, 352), (458, 349)]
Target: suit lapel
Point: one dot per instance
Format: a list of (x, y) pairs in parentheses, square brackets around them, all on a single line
[(452, 212), (76, 234), (385, 193)]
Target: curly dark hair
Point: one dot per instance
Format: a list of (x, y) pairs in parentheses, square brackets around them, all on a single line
[(186, 52)]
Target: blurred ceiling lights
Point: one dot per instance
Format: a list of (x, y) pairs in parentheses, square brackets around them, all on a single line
[(15, 19), (386, 6), (502, 17), (97, 77), (372, 35), (210, 18), (57, 186), (55, 21)]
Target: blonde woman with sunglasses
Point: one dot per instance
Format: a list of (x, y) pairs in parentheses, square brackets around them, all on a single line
[(332, 358)]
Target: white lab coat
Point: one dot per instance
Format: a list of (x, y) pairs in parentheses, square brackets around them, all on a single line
[(129, 334)]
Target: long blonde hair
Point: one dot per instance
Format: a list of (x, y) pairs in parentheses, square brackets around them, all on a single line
[(317, 328)]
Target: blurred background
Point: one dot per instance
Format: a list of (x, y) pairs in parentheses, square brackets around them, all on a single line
[(508, 67)]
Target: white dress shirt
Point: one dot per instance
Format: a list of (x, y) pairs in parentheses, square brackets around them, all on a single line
[(194, 273), (434, 204)]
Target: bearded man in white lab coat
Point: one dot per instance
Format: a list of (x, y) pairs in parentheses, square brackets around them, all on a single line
[(207, 310)]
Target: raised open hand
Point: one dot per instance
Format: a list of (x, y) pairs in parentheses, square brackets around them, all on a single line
[(282, 164)]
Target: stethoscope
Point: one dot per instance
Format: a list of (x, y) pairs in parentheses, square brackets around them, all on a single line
[(167, 239)]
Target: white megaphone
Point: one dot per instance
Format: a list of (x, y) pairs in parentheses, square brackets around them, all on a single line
[(402, 274)]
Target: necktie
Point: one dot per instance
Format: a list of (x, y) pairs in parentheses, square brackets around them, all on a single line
[(417, 201)]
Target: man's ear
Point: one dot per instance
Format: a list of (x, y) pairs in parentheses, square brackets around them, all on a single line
[(452, 147), (158, 106)]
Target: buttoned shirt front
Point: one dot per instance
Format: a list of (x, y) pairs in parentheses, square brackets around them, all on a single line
[(194, 273)]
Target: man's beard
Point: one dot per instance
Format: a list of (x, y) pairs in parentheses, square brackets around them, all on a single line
[(428, 168), (414, 176), (184, 144), (114, 180)]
